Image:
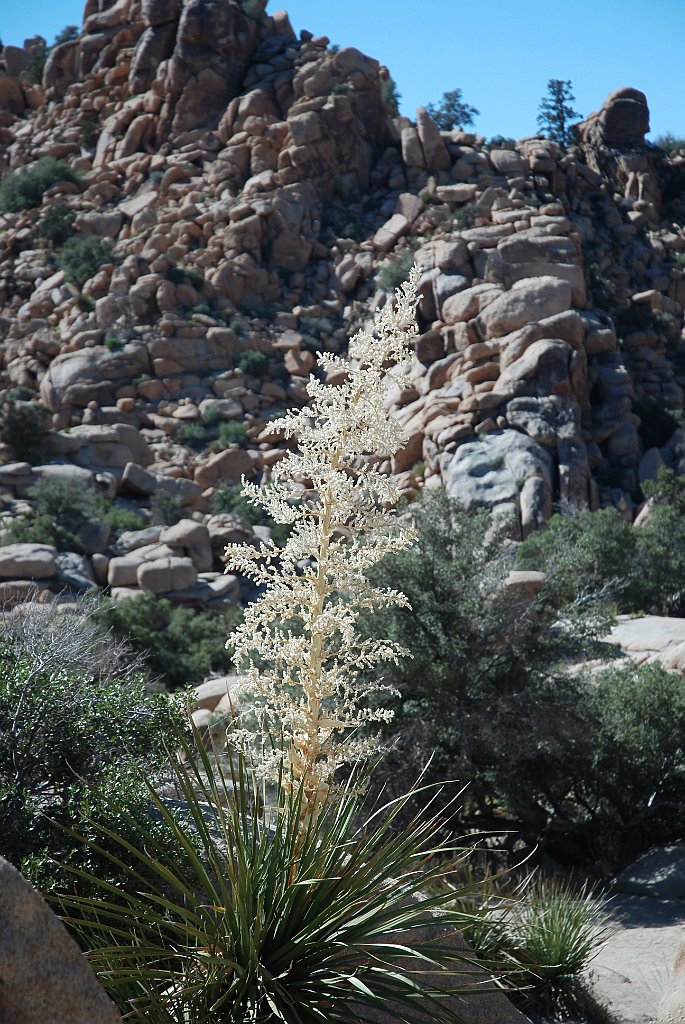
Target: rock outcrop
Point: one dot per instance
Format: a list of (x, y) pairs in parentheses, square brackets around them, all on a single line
[(43, 974), (257, 197)]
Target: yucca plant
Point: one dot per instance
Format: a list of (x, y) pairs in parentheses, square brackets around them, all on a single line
[(553, 935), (244, 937)]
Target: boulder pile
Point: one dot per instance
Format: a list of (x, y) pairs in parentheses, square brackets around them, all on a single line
[(256, 196)]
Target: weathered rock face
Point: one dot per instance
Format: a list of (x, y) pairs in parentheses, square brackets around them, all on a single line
[(623, 121), (212, 52), (613, 141), (256, 194), (507, 472), (43, 974)]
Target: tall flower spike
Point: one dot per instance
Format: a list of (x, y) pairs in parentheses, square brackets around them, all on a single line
[(303, 661)]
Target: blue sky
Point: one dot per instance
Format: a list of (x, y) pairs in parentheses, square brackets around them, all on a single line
[(500, 53)]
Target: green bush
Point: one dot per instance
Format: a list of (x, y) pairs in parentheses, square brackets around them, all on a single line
[(634, 791), (452, 112), (669, 144), (229, 498), (89, 133), (482, 673), (464, 217), (192, 434), (640, 569), (63, 506), (253, 364), (57, 223), (232, 433), (24, 188), (180, 645), (394, 271), (554, 934), (391, 96), (165, 509), (36, 63), (81, 258), (583, 554), (72, 742), (24, 426)]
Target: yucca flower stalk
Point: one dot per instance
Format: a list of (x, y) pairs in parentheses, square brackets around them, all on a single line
[(304, 662)]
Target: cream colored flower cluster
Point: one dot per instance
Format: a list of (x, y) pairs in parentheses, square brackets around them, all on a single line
[(304, 662)]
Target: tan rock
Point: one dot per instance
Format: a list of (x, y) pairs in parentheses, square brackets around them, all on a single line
[(43, 974), (193, 538), (388, 233), (225, 467), (528, 300), (166, 575), (27, 561)]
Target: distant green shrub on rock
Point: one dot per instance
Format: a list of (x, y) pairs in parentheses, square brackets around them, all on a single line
[(63, 507), (24, 426), (57, 224), (253, 363), (81, 258), (23, 188), (180, 645)]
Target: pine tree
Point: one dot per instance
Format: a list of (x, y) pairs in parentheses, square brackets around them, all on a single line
[(556, 113)]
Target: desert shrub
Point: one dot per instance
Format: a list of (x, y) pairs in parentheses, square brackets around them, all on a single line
[(553, 934), (24, 426), (57, 223), (71, 742), (583, 553), (229, 498), (659, 584), (232, 433), (391, 95), (253, 364), (66, 35), (633, 794), (89, 133), (180, 645), (63, 506), (502, 142), (81, 258), (452, 112), (114, 344), (464, 217), (24, 188), (394, 270), (192, 434), (482, 673), (669, 144), (639, 569), (165, 509), (36, 63), (123, 518)]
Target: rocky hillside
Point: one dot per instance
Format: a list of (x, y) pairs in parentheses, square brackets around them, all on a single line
[(224, 198)]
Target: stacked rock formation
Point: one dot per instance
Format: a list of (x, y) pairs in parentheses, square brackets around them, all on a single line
[(258, 197)]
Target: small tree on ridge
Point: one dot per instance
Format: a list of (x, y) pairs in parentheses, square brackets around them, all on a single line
[(452, 112), (556, 114)]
